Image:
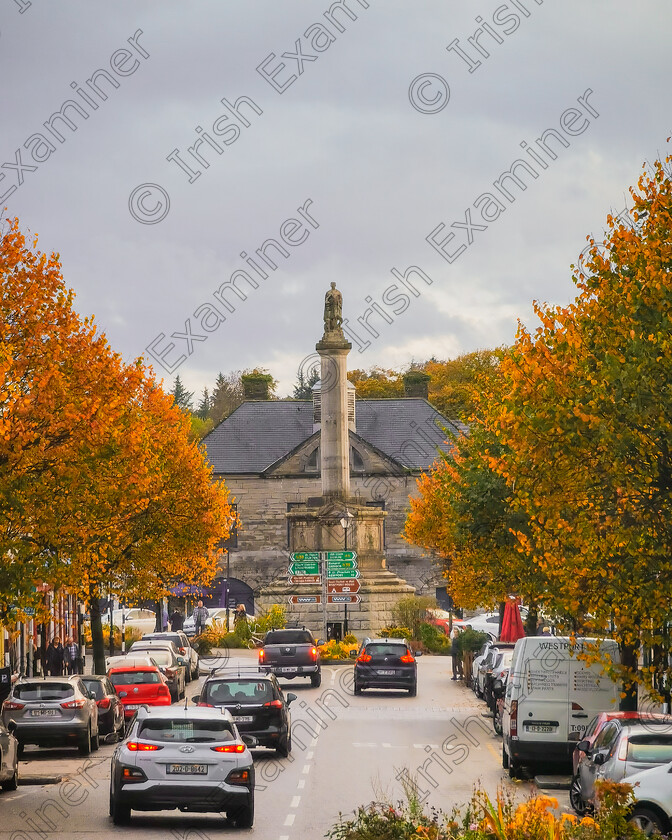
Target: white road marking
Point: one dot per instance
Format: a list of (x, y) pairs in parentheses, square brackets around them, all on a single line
[(301, 785), (306, 769), (289, 819), (284, 837), (386, 745), (313, 743), (309, 755), (295, 802)]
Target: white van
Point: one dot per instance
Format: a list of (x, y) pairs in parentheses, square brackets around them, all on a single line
[(551, 697)]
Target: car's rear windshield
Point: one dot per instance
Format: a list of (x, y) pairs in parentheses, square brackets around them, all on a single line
[(43, 691), (134, 677), (288, 637), (159, 655), (95, 687), (185, 731), (163, 637), (238, 691), (656, 749), (386, 650)]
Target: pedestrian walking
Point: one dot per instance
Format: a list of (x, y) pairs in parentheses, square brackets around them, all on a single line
[(55, 657), (71, 656), (240, 614), (201, 615), (176, 620), (456, 654)]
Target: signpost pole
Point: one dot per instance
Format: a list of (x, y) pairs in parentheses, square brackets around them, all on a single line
[(323, 570)]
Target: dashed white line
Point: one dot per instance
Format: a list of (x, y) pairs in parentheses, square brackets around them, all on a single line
[(388, 746), (309, 755), (295, 802), (289, 819), (301, 785), (306, 769), (284, 837)]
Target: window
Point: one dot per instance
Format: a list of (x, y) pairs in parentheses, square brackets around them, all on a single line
[(135, 677), (356, 460), (239, 691), (288, 637), (312, 463), (185, 731), (44, 691)]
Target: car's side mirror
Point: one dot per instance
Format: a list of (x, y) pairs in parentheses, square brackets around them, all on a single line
[(249, 741), (196, 698), (417, 653), (583, 746), (320, 642), (11, 726), (599, 758), (290, 698), (353, 654)]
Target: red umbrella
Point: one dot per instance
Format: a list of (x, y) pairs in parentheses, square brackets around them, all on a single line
[(512, 623)]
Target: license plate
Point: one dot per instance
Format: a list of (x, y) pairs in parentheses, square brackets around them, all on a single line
[(132, 706), (44, 712), (540, 727), (287, 670), (387, 673), (188, 769), (243, 718)]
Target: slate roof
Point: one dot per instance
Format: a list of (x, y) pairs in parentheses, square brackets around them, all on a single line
[(260, 432)]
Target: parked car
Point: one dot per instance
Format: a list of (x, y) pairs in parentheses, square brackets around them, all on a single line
[(652, 789), (110, 709), (9, 756), (498, 669), (487, 622), (191, 759), (167, 657), (478, 661), (257, 702), (138, 684), (184, 648), (125, 659), (386, 663), (216, 614), (621, 749), (52, 712), (136, 618)]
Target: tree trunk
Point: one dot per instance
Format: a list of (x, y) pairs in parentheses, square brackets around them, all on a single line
[(630, 660), (97, 641), (532, 620)]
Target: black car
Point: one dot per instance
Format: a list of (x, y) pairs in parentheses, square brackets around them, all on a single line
[(111, 721), (257, 703), (386, 663)]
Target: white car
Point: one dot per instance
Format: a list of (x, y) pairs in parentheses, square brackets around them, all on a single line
[(652, 790), (216, 614), (136, 619), (193, 759)]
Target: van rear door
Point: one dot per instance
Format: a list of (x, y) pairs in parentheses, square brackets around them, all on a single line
[(590, 692), (543, 706)]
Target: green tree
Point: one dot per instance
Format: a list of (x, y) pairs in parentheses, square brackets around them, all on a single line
[(203, 410), (226, 397), (303, 390), (183, 399)]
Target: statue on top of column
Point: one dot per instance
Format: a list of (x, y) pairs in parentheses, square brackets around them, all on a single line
[(333, 310)]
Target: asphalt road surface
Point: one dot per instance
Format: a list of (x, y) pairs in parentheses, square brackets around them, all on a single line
[(347, 751)]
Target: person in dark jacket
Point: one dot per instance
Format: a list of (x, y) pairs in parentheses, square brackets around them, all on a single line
[(456, 654), (55, 657), (71, 656), (176, 620), (201, 615)]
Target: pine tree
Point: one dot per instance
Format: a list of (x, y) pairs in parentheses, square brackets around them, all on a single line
[(203, 410), (183, 398), (303, 390), (226, 397)]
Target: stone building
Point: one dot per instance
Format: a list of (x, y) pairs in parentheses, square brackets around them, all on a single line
[(268, 452)]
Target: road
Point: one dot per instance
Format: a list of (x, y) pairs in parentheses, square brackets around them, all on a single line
[(347, 751)]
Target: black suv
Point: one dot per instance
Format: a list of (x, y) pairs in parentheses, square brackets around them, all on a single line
[(386, 663), (257, 703)]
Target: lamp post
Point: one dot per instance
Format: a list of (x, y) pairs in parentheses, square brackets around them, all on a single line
[(346, 521)]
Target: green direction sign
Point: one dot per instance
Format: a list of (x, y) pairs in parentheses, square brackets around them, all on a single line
[(340, 555), (304, 567), (332, 565), (342, 573), (313, 556)]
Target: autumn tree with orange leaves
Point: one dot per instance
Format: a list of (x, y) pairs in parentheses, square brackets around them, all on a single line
[(101, 489)]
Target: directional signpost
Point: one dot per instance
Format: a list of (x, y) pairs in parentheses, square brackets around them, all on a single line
[(305, 599), (336, 571), (332, 556), (341, 574), (304, 579), (343, 599), (304, 567), (342, 587)]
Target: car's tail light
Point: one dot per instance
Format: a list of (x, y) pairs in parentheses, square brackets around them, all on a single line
[(273, 704), (229, 748), (12, 705), (132, 774), (513, 719), (183, 651), (407, 658), (104, 703), (262, 655), (163, 691), (238, 777), (313, 653), (138, 746), (73, 704), (623, 749), (364, 657)]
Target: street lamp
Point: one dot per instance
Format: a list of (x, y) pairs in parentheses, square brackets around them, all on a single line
[(346, 522)]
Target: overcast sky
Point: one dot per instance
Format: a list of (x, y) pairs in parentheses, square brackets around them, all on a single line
[(375, 133)]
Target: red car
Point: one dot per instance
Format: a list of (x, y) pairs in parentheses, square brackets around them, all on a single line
[(139, 685)]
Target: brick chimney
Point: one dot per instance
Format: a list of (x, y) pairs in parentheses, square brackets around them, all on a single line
[(256, 386), (416, 384)]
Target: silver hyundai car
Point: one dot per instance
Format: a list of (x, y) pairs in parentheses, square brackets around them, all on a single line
[(190, 759), (53, 712)]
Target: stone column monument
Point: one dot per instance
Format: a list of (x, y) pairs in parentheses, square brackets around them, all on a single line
[(316, 524)]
